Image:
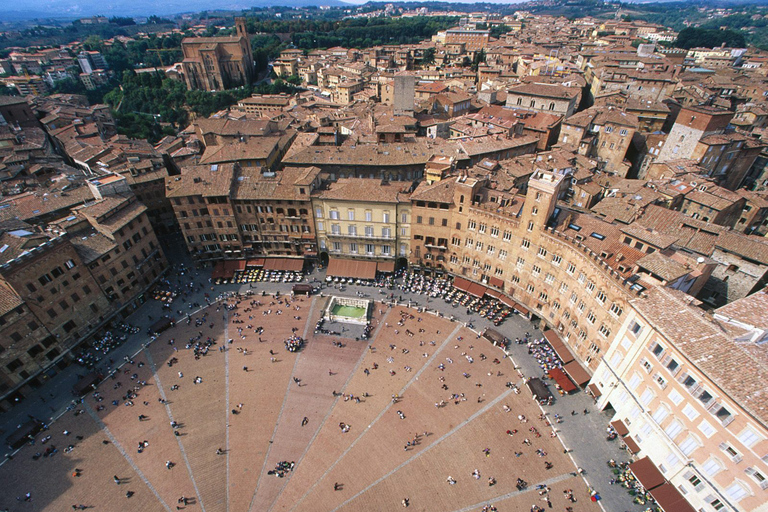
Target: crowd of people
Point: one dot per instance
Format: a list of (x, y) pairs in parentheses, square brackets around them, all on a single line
[(438, 287), (543, 352), (624, 477), (294, 343), (282, 468)]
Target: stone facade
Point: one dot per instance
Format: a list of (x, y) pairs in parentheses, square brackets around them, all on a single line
[(218, 63), (692, 124), (374, 228)]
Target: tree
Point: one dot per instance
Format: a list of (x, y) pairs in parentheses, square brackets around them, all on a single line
[(429, 56), (478, 59), (93, 43), (122, 21), (498, 30), (693, 37)]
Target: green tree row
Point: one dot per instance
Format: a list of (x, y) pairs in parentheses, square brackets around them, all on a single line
[(145, 100), (40, 36), (709, 38), (150, 52), (356, 32)]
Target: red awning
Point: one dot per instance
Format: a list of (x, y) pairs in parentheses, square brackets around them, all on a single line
[(477, 290), (577, 373), (218, 271), (557, 344), (507, 301), (356, 269), (646, 472), (492, 293), (496, 282), (284, 264), (514, 304), (462, 284), (259, 262), (524, 310), (293, 264), (226, 269), (620, 427), (595, 390), (271, 264), (231, 265), (386, 266), (670, 500), (562, 380), (631, 445)]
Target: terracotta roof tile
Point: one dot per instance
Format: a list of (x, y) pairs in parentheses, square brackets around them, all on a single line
[(738, 368)]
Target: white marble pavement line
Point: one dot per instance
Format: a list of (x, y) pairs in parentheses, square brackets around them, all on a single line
[(282, 407), (125, 455), (170, 417), (330, 409), (226, 397), (431, 446), (530, 488), (381, 414)]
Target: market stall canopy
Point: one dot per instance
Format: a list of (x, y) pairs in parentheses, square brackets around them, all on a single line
[(230, 266), (284, 264), (218, 271), (496, 282), (355, 269), (476, 290), (494, 336), (538, 389), (86, 383), (631, 445), (462, 284), (24, 433), (578, 374), (515, 305), (561, 350), (226, 269), (670, 500), (161, 325), (386, 266), (305, 289), (562, 380), (620, 427), (647, 473)]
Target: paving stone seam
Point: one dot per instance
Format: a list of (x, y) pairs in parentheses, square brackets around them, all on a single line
[(226, 398), (170, 417), (512, 494), (570, 455), (282, 408), (330, 410), (442, 438), (125, 455), (384, 411)]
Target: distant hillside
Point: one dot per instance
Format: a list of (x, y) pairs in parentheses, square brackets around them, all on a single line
[(9, 11)]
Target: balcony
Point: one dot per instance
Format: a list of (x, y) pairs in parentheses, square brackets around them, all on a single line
[(360, 237)]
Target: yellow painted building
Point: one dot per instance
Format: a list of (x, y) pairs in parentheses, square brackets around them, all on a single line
[(363, 218)]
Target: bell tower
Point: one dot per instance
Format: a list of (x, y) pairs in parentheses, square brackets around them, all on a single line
[(249, 69), (240, 27), (544, 187)]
